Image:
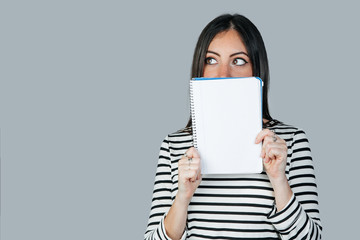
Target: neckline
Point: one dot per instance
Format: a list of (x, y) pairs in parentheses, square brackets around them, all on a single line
[(270, 123)]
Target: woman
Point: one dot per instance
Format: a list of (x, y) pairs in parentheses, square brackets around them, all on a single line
[(279, 203)]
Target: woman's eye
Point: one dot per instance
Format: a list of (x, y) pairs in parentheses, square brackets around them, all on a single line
[(210, 60), (239, 61)]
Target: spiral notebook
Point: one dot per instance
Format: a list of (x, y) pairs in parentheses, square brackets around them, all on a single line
[(226, 117)]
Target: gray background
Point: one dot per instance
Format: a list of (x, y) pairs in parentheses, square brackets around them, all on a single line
[(89, 89)]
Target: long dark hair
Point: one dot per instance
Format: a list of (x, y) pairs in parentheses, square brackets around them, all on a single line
[(254, 45)]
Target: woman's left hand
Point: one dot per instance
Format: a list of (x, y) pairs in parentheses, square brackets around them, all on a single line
[(273, 153)]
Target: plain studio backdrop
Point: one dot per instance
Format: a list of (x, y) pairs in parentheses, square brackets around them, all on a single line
[(89, 89)]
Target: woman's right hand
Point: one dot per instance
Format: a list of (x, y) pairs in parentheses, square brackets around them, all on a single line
[(189, 175)]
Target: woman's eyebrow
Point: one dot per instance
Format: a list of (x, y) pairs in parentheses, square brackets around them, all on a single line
[(213, 53), (230, 55), (238, 53)]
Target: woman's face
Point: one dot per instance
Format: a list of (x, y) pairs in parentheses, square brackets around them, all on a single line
[(227, 57)]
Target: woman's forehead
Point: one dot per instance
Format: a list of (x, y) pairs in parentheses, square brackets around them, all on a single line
[(227, 41)]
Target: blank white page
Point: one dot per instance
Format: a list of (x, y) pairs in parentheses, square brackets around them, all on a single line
[(227, 117)]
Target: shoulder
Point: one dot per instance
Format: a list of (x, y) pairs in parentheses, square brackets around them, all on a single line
[(296, 141), (181, 134), (180, 138), (176, 143), (286, 131)]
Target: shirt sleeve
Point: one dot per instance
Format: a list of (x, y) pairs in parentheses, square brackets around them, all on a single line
[(161, 200), (300, 219)]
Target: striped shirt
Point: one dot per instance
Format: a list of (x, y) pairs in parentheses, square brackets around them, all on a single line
[(239, 206)]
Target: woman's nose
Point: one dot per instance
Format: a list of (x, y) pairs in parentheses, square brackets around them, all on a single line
[(224, 71)]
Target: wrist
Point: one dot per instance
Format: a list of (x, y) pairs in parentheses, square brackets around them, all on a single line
[(181, 200), (282, 191), (280, 183), (278, 180)]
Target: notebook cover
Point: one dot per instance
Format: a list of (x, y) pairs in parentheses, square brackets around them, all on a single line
[(227, 116)]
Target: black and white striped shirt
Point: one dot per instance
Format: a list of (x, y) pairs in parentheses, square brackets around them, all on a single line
[(239, 206)]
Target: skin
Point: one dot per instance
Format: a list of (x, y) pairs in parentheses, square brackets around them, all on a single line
[(227, 57)]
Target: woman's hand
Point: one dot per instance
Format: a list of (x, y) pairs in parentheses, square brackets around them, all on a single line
[(189, 177), (274, 154)]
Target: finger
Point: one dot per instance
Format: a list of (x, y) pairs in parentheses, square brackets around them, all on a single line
[(191, 175), (261, 135), (195, 160), (183, 159), (195, 168), (198, 170), (263, 148), (186, 158), (198, 180), (183, 162), (264, 151), (266, 158), (267, 140), (183, 172), (198, 177), (266, 161), (273, 152), (184, 168), (270, 139), (192, 152), (262, 154)]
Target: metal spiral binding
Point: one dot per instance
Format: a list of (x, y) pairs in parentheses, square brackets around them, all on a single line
[(192, 110)]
